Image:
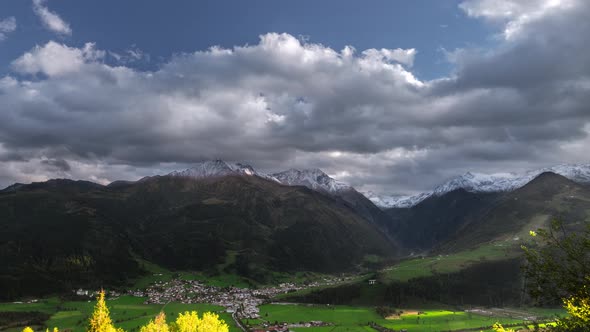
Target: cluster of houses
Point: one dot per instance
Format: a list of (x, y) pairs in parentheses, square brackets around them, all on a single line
[(94, 293), (243, 302)]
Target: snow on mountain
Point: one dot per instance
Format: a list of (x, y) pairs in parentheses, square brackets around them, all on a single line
[(313, 178), (400, 201), (479, 182), (218, 168), (316, 179)]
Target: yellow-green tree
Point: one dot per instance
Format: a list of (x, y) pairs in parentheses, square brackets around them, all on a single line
[(211, 323), (101, 319), (499, 328), (190, 322), (156, 325), (29, 329), (578, 306), (187, 322)]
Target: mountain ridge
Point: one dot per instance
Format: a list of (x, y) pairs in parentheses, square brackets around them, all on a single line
[(178, 222), (484, 183)]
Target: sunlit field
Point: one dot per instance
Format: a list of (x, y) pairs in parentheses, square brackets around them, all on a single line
[(127, 312)]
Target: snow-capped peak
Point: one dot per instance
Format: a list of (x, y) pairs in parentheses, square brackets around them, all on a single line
[(313, 178), (218, 168), (480, 182), (398, 201)]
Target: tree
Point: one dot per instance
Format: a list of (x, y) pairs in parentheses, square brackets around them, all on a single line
[(499, 328), (558, 266), (156, 325), (101, 320), (211, 323), (190, 322), (187, 322)]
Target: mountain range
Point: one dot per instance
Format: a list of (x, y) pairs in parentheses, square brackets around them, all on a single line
[(483, 183), (218, 218), (431, 220), (222, 217)]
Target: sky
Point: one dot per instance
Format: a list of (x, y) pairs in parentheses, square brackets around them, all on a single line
[(389, 96)]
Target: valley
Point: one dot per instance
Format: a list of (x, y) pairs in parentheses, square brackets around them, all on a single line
[(295, 166), (255, 309), (305, 254)]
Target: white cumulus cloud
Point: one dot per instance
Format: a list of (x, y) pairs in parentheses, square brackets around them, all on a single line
[(54, 59), (286, 102)]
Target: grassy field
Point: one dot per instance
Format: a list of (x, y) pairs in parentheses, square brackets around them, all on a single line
[(428, 266), (130, 313), (346, 318), (127, 312)]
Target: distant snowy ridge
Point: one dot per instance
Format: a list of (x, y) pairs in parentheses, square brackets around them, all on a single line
[(479, 182), (400, 201), (316, 179), (313, 178), (219, 168)]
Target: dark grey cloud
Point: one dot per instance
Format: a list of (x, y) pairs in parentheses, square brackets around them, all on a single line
[(60, 165), (361, 115)]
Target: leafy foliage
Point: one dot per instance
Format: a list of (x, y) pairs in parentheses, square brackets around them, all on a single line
[(559, 268), (558, 262), (578, 306), (499, 328), (101, 319), (156, 325), (190, 322)]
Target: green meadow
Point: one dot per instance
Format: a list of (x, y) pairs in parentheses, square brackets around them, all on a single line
[(130, 313), (127, 312), (347, 318)]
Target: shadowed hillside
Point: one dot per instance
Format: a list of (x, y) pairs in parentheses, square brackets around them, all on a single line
[(460, 219), (62, 234)]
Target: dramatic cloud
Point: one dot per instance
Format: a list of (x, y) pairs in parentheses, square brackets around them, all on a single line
[(7, 26), (361, 115), (516, 14), (50, 19)]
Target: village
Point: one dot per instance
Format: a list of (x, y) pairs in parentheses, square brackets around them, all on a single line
[(241, 302)]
